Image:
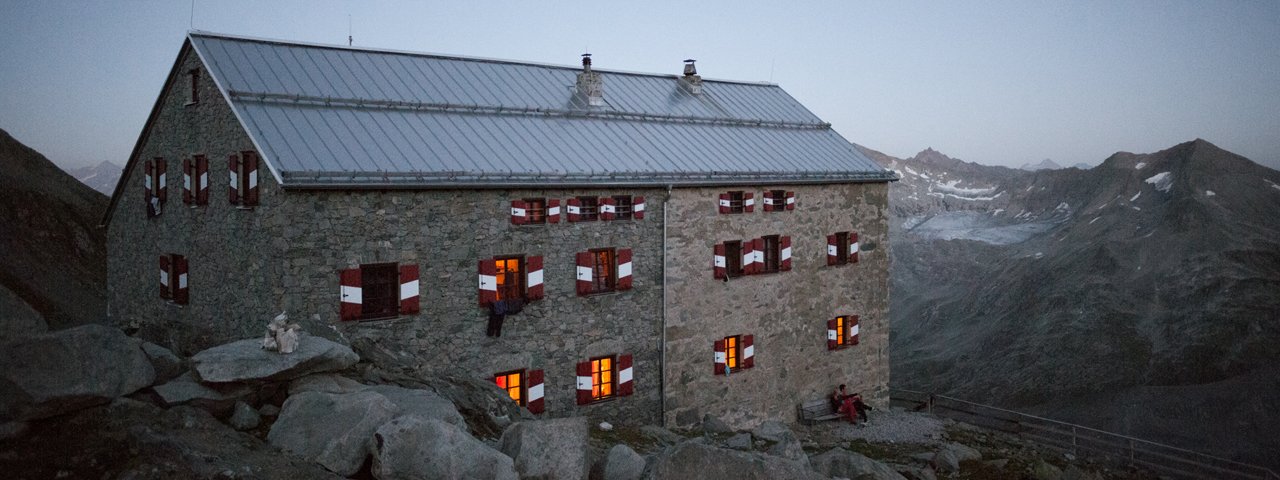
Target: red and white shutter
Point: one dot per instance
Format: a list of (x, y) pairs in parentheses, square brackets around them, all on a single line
[(202, 180), (624, 269), (573, 208), (533, 281), (791, 200), (536, 404), (488, 281), (748, 351), (853, 330), (637, 208), (749, 202), (583, 260), (409, 294), (553, 210), (251, 174), (608, 209), (181, 294), (768, 201), (853, 247), (718, 265), (519, 212), (165, 277), (584, 382), (748, 257), (352, 295), (725, 203), (148, 180), (186, 181), (162, 179), (832, 334), (720, 357), (832, 250), (784, 256), (758, 255), (233, 186), (626, 376)]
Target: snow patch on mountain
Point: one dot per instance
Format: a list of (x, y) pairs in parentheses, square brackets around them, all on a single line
[(1163, 181), (950, 187), (1209, 193), (1139, 165), (1135, 197)]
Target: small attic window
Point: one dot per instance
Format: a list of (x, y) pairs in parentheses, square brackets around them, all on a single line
[(194, 74)]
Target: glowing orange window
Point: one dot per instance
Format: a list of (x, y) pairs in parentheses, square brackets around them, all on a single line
[(601, 378), (511, 382), (731, 352), (840, 331), (508, 277)]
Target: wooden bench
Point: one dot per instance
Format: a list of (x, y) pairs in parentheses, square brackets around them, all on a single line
[(815, 411)]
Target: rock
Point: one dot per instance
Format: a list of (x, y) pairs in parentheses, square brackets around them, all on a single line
[(773, 431), (606, 426), (964, 453), (711, 424), (334, 430), (741, 441), (925, 458), (839, 462), (325, 383), (1042, 470), (268, 410), (549, 449), (998, 463), (244, 417), (1073, 472), (946, 461), (696, 460), (12, 430), (917, 473), (18, 318), (620, 463), (487, 409), (662, 435), (167, 365), (411, 447), (423, 403), (216, 399), (245, 360), (58, 372)]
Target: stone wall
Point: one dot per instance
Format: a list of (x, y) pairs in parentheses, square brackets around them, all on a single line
[(233, 277), (785, 311)]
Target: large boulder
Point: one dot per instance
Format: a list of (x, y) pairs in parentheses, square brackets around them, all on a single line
[(52, 373), (325, 383), (246, 360), (423, 403), (712, 424), (243, 417), (694, 460), (839, 462), (412, 447), (186, 390), (487, 409), (167, 365), (549, 449), (334, 430), (620, 463)]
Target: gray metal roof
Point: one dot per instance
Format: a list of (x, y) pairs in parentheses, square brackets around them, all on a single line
[(340, 117)]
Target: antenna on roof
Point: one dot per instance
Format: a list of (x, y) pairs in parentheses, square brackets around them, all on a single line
[(191, 22), (348, 29)]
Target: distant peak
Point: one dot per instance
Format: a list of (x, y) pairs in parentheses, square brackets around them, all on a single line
[(1045, 164)]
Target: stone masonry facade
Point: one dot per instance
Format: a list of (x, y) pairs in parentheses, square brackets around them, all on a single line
[(248, 264)]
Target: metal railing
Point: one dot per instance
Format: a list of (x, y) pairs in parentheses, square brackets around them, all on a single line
[(1081, 440)]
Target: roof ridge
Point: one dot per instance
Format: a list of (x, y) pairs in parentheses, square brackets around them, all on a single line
[(447, 56)]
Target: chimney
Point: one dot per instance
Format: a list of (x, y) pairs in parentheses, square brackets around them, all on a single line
[(691, 81), (590, 84)]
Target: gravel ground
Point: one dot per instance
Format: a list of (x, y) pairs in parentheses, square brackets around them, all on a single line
[(885, 426)]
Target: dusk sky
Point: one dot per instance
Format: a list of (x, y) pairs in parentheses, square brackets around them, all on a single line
[(1002, 83)]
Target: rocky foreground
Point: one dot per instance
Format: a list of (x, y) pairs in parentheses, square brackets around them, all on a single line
[(92, 402)]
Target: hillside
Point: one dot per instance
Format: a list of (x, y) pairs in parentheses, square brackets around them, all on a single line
[(55, 255), (1140, 295), (101, 177)]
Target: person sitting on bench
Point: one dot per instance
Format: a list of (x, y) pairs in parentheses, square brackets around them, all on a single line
[(851, 405)]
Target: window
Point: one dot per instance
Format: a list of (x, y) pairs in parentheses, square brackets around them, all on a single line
[(603, 275), (602, 378), (771, 254), (588, 209), (842, 329), (509, 274), (194, 74), (381, 290), (842, 332), (173, 278), (536, 209), (622, 207), (735, 201), (733, 258), (842, 248), (733, 352), (513, 383)]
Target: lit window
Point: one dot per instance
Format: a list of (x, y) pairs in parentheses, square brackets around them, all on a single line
[(513, 384), (602, 378), (732, 352), (842, 330), (509, 272)]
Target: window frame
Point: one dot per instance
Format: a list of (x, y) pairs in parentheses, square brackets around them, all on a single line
[(779, 199), (193, 76), (733, 352), (597, 373), (609, 282), (523, 386), (588, 208), (622, 207), (521, 272), (842, 248), (733, 259), (772, 252), (392, 284), (842, 331), (535, 210), (737, 201)]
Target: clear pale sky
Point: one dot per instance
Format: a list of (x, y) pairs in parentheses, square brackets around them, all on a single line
[(1001, 83)]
